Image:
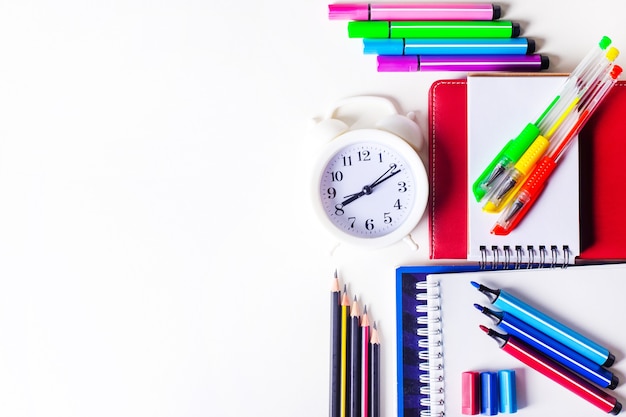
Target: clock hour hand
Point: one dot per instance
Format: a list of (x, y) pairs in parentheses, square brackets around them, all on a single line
[(352, 197)]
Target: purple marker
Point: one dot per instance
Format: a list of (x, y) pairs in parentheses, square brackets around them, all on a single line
[(468, 63), (414, 11)]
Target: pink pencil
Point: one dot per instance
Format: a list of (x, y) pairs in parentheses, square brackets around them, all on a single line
[(365, 358), (414, 11)]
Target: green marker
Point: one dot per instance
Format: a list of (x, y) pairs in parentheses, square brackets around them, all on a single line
[(433, 29), (515, 148)]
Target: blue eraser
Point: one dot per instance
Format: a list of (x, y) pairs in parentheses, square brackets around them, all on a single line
[(489, 393), (508, 395)]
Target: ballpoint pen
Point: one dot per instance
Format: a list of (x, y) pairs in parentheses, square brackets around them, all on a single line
[(502, 193), (535, 183), (514, 148)]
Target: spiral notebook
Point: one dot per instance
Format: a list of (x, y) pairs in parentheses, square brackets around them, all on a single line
[(498, 107), (601, 224), (439, 338)]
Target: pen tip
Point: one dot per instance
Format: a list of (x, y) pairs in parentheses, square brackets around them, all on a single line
[(478, 307), (484, 328), (475, 284)]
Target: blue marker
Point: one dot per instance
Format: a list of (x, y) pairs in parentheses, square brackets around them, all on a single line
[(551, 348), (465, 46), (542, 322)]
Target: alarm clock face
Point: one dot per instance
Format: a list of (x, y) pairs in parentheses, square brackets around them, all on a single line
[(372, 187)]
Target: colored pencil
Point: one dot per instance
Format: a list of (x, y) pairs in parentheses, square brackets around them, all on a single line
[(374, 397), (365, 360), (345, 331), (355, 360), (335, 347)]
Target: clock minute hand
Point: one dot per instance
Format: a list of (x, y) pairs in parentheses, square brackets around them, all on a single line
[(384, 178)]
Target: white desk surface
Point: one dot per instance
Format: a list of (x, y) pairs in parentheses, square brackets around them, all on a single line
[(158, 256)]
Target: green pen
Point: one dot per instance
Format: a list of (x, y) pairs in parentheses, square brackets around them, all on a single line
[(515, 148), (433, 29)]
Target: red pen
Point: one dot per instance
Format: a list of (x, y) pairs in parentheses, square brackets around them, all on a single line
[(555, 371), (535, 183)]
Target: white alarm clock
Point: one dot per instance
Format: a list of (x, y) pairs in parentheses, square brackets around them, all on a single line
[(369, 187)]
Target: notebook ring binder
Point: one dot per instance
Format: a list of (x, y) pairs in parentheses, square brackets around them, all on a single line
[(491, 258)]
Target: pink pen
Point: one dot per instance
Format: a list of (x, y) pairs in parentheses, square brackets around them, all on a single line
[(414, 11)]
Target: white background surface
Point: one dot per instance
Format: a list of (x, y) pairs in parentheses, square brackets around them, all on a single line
[(157, 252)]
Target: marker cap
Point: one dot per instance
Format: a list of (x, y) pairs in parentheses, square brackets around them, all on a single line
[(470, 391), (508, 391), (489, 393), (398, 63), (383, 46), (368, 29), (348, 11)]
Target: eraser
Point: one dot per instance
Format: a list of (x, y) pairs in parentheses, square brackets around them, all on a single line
[(470, 391)]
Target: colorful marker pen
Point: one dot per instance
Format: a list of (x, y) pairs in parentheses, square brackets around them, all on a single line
[(434, 29), (468, 46), (515, 148), (533, 186), (414, 11), (551, 348), (555, 372), (542, 322), (411, 63)]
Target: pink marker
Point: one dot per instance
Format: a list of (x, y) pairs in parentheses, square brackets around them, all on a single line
[(413, 11)]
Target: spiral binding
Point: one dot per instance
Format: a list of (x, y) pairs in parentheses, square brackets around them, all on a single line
[(507, 257), (431, 350)]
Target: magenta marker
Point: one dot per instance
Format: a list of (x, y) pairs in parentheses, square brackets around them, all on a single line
[(467, 63), (413, 11)]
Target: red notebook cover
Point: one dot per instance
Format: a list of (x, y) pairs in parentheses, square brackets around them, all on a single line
[(602, 153)]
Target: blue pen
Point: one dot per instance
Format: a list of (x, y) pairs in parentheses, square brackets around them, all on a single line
[(542, 322), (464, 46), (551, 348)]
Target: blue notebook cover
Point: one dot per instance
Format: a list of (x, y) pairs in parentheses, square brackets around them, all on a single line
[(407, 327)]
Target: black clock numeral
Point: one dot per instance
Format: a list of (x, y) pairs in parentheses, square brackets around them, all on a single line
[(347, 161), (336, 176), (339, 210), (398, 205), (369, 224), (364, 156), (332, 193), (352, 220), (387, 218), (380, 157), (402, 187)]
